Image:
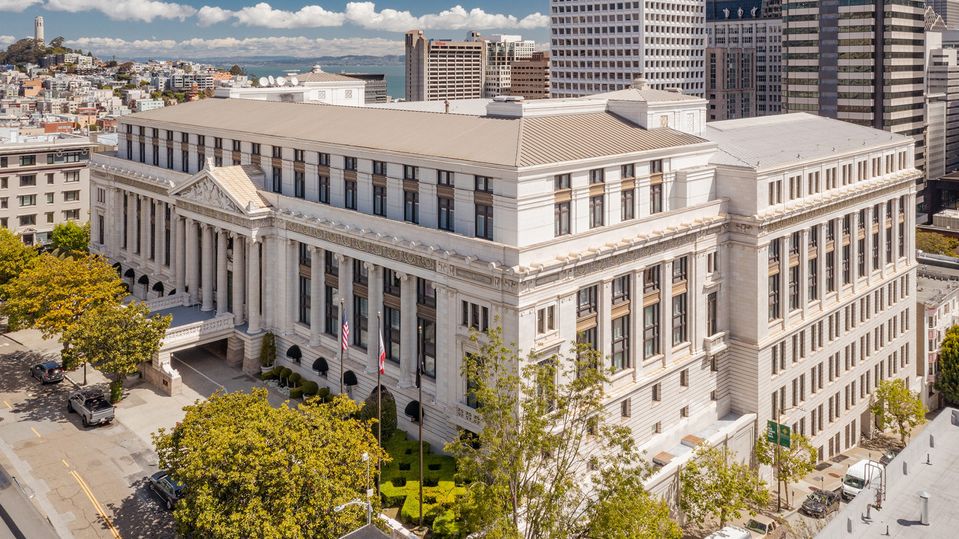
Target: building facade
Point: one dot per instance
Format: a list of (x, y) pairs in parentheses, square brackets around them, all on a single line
[(638, 237), (502, 51), (44, 181), (937, 311), (603, 46), (530, 78), (743, 61), (437, 70), (376, 91)]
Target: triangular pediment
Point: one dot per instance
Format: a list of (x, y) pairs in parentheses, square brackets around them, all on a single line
[(231, 189), (206, 192)]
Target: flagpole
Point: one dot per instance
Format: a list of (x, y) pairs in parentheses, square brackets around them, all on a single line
[(419, 408), (341, 345), (379, 401)]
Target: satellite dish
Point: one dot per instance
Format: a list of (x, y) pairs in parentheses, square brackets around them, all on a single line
[(280, 81), (264, 81), (271, 80), (294, 81)]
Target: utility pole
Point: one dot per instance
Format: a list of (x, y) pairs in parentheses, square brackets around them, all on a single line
[(419, 407), (342, 347)]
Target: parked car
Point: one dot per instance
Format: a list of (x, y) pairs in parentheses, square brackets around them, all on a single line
[(168, 489), (730, 532), (888, 456), (863, 474), (763, 526), (48, 372), (94, 408), (820, 503)]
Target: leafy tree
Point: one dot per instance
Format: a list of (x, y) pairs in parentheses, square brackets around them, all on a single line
[(795, 462), (14, 257), (711, 485), (529, 472), (932, 242), (388, 405), (53, 292), (71, 237), (252, 470), (947, 379), (625, 509), (897, 408), (116, 339), (236, 70)]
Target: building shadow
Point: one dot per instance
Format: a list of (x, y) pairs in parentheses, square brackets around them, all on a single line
[(142, 514)]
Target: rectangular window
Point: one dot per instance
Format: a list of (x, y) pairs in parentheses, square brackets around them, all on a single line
[(236, 143), (621, 289), (596, 211), (561, 219), (679, 319), (483, 184), (391, 283), (361, 321), (349, 199), (324, 159), (28, 160), (324, 189), (444, 177), (774, 297), (586, 301), (684, 378), (379, 200), (427, 347), (349, 163), (411, 173), (656, 198), (299, 184), (299, 156), (445, 219), (304, 301), (71, 196), (813, 279), (794, 288), (484, 221), (392, 334), (546, 320), (619, 357), (200, 140), (277, 152), (562, 182), (680, 269), (651, 330), (628, 171), (597, 175), (711, 314), (425, 293), (28, 200), (254, 148), (628, 205), (379, 168), (29, 180), (277, 180), (411, 206), (657, 392)]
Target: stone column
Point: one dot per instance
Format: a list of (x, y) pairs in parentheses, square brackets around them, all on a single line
[(666, 312), (316, 295), (375, 275), (604, 327), (636, 349), (145, 236), (239, 278), (407, 330), (206, 284), (131, 224), (178, 254), (446, 365), (291, 252), (190, 262), (222, 287), (160, 237), (253, 286)]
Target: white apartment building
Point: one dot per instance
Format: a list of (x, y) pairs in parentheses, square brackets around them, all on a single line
[(438, 70), (44, 181), (937, 299), (598, 46), (621, 220), (502, 51)]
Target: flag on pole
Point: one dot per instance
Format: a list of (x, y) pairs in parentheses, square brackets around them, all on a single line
[(382, 356), (345, 332)]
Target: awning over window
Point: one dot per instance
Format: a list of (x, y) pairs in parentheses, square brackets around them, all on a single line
[(143, 279), (413, 411), (129, 273), (321, 366), (294, 352), (349, 378), (158, 287)]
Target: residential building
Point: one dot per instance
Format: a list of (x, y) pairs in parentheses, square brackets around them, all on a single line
[(840, 61), (376, 91), (693, 256), (185, 81), (437, 70), (599, 46), (942, 118), (44, 181), (143, 105), (530, 78), (937, 310), (743, 60)]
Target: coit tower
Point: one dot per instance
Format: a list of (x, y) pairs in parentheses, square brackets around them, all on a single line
[(38, 30)]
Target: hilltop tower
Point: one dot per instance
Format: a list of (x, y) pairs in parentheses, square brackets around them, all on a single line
[(38, 30)]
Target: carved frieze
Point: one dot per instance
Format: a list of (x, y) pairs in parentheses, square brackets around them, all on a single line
[(207, 193), (362, 245)]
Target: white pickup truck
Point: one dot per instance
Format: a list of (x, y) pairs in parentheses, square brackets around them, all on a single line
[(92, 406)]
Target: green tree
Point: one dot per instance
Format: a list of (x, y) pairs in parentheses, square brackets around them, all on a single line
[(526, 466), (116, 339), (624, 509), (236, 70), (252, 470), (897, 408), (713, 485), (71, 237), (932, 242), (14, 257), (947, 379), (795, 462), (53, 292)]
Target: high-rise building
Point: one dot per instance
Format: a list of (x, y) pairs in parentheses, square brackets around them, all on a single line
[(38, 30), (530, 78), (502, 51), (743, 59), (599, 46), (841, 61), (441, 69), (948, 10)]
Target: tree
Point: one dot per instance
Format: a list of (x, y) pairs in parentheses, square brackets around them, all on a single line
[(795, 462), (116, 339), (53, 292), (252, 470), (932, 242), (14, 257), (625, 509), (529, 469), (897, 408), (711, 485), (71, 238), (947, 379), (236, 70)]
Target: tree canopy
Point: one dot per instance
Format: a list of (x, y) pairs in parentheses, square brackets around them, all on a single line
[(52, 292), (935, 243), (947, 379), (14, 257), (71, 237), (897, 408), (115, 339), (795, 462), (713, 485), (252, 470), (528, 471)]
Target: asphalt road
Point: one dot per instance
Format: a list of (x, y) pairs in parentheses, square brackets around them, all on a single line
[(20, 518)]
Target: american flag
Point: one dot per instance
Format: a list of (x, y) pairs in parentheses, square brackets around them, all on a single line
[(382, 356), (345, 332)]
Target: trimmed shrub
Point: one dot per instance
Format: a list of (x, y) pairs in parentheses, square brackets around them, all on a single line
[(270, 375), (310, 388), (285, 373), (268, 350), (296, 393), (389, 414), (446, 527), (295, 379), (324, 394)]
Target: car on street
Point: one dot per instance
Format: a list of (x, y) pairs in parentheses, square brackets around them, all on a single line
[(820, 503), (730, 532), (48, 372), (168, 489), (763, 526), (92, 406)]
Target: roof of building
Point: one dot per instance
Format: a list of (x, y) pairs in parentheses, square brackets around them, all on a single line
[(323, 76), (931, 468), (770, 141), (512, 142), (366, 532), (935, 283), (241, 182), (648, 95), (470, 107)]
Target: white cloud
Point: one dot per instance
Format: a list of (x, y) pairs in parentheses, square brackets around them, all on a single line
[(237, 47), (6, 40), (126, 10), (17, 5), (365, 15)]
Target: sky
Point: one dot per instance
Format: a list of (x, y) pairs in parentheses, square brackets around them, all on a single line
[(173, 29)]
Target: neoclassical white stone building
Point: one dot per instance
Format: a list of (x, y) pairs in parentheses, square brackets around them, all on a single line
[(688, 254)]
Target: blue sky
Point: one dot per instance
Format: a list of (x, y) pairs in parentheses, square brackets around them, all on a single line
[(205, 28)]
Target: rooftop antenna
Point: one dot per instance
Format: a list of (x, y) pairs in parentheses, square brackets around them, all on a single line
[(271, 80), (294, 81), (264, 81), (281, 81)]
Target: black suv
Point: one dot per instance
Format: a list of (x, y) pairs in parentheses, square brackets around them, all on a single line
[(820, 503), (167, 488), (49, 372)]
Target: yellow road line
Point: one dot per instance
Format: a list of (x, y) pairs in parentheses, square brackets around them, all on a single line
[(7, 404), (96, 504), (65, 463), (35, 432)]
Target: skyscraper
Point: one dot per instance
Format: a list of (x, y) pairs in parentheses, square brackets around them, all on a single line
[(599, 46), (443, 69), (502, 51)]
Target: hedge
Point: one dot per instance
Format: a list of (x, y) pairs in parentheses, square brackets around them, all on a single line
[(400, 481)]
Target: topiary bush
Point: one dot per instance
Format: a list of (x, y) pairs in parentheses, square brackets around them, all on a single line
[(268, 350), (296, 393), (310, 388), (285, 373), (446, 527), (295, 379), (324, 394), (272, 374), (400, 486), (389, 413)]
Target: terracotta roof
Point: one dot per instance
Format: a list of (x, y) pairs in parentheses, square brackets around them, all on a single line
[(511, 142)]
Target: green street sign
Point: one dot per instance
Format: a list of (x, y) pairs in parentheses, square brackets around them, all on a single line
[(785, 433), (778, 433)]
